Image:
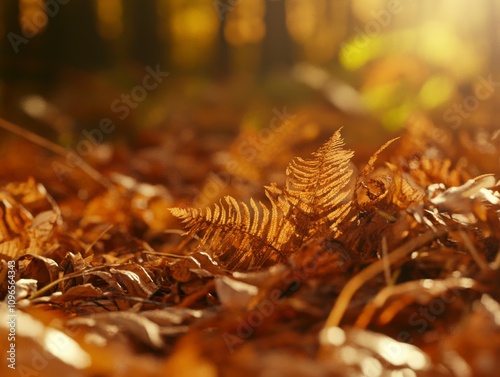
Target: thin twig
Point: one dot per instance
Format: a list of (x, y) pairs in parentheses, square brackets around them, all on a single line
[(387, 265), (478, 258), (106, 230), (197, 295), (373, 270), (68, 277), (53, 147)]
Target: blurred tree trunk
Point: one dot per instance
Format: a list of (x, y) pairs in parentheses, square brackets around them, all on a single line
[(145, 42), (74, 38), (222, 67), (277, 45), (10, 22), (22, 52)]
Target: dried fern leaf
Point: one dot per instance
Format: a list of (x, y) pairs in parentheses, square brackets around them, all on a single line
[(373, 159), (238, 235), (318, 187), (315, 199)]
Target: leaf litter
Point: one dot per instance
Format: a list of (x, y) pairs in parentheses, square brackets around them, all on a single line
[(387, 268)]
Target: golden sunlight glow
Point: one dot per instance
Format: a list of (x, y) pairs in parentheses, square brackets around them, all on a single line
[(371, 367), (301, 19), (334, 336), (364, 9), (32, 16), (445, 39), (245, 23), (316, 26), (436, 91), (66, 349), (192, 30), (110, 15), (56, 344)]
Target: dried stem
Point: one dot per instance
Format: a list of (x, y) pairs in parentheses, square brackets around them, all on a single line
[(478, 258), (387, 265), (53, 147), (72, 275), (373, 270)]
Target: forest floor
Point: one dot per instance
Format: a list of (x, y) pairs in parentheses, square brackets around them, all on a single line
[(289, 249)]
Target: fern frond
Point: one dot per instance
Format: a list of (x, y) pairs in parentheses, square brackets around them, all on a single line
[(319, 186), (313, 201), (238, 235)]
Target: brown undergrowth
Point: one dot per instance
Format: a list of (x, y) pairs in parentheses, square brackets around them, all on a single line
[(389, 268)]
